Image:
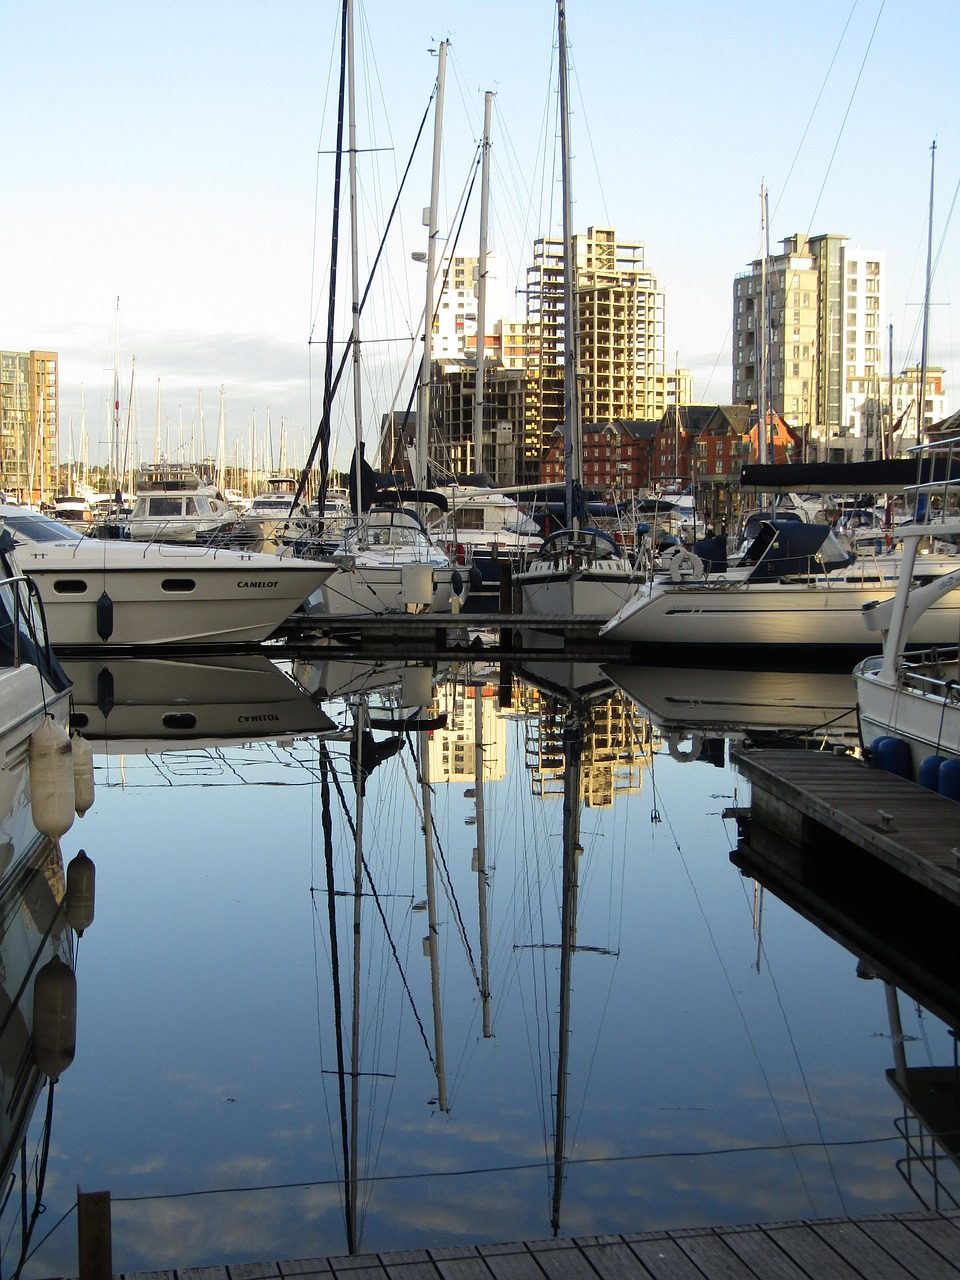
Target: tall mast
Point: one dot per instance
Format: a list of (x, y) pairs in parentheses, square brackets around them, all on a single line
[(573, 469), (221, 442), (157, 431), (482, 288), (430, 219), (115, 425), (922, 388), (761, 323), (354, 249)]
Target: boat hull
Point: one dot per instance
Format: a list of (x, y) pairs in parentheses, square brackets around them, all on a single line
[(379, 588), (115, 594), (767, 615), (26, 699), (920, 708), (598, 591)]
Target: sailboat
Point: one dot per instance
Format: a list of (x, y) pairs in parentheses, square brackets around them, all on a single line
[(386, 562), (578, 570)]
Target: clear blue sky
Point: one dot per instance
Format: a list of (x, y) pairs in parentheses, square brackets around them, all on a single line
[(173, 156)]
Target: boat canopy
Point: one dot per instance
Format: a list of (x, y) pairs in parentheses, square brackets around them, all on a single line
[(787, 549), (888, 475)]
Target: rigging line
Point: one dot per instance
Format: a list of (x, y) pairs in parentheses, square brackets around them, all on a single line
[(348, 346), (733, 993), (383, 919), (772, 1148), (449, 256), (56, 1226), (853, 94), (813, 112), (796, 1057)]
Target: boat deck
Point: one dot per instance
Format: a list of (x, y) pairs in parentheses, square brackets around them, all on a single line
[(912, 1246), (801, 794)]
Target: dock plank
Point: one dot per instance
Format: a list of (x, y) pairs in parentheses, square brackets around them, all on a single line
[(458, 1262), (714, 1257), (941, 1232), (306, 1268), (611, 1258), (561, 1260), (861, 1251), (812, 1253), (663, 1258), (915, 1253), (755, 1248), (511, 1262)]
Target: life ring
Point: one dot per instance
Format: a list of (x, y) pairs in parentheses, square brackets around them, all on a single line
[(677, 559)]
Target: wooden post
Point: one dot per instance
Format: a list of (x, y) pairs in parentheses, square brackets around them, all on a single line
[(94, 1242)]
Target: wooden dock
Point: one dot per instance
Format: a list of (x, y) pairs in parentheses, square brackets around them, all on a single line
[(912, 1246), (808, 797)]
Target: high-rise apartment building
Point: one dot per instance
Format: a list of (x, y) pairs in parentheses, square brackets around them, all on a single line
[(824, 302), (29, 425), (620, 326)]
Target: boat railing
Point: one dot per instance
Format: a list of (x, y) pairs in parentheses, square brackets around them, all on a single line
[(936, 497), (930, 675), (23, 596)]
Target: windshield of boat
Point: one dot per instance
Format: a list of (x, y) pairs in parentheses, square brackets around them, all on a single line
[(30, 526)]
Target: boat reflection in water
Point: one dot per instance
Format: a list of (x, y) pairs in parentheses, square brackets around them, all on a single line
[(697, 708), (40, 908), (444, 974), (146, 701)]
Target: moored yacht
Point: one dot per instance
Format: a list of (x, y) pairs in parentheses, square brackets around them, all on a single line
[(114, 592), (175, 503), (275, 516), (795, 588), (387, 563)]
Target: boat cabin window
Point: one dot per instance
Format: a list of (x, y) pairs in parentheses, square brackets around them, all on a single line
[(164, 508)]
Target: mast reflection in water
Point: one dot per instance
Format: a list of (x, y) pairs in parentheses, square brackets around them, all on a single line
[(460, 956)]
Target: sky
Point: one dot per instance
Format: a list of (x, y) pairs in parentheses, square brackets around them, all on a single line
[(169, 177)]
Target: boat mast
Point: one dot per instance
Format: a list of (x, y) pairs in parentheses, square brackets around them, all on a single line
[(354, 249), (573, 470), (762, 403), (115, 425), (221, 442), (922, 388), (432, 941), (430, 219), (573, 734), (482, 289)]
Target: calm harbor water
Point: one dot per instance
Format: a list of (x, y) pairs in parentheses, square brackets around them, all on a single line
[(363, 977)]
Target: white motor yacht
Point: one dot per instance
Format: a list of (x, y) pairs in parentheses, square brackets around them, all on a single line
[(115, 592), (274, 518), (175, 504)]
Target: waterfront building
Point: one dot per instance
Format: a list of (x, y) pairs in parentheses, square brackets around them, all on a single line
[(29, 425), (825, 303), (622, 364)]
